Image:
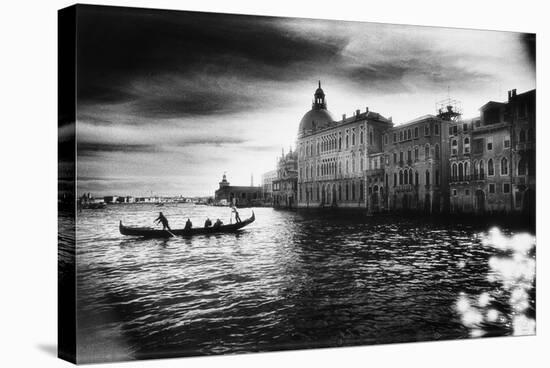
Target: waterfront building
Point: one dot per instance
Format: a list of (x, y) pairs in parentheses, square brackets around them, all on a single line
[(332, 155), (435, 163), (414, 162), (237, 195), (462, 195), (493, 158), (286, 183), (267, 186)]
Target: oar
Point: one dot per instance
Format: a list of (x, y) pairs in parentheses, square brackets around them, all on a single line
[(168, 231)]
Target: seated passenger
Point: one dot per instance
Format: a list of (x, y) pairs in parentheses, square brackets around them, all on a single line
[(188, 225), (218, 223), (207, 223)]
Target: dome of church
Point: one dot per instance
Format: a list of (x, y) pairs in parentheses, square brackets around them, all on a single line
[(318, 117)]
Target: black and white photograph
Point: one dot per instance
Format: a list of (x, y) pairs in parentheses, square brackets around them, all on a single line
[(233, 183)]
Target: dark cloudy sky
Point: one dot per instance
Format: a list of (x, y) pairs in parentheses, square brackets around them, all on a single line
[(168, 101)]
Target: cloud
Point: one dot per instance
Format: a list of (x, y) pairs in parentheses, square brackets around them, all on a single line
[(163, 92)]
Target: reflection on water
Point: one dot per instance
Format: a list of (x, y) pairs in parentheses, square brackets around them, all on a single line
[(508, 307), (290, 280)]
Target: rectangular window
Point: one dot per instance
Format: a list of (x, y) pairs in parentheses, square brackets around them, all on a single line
[(427, 130), (436, 129), (465, 127), (491, 188), (467, 192), (507, 141), (489, 143), (454, 192), (394, 158), (394, 137), (506, 188), (416, 132), (401, 156), (455, 129)]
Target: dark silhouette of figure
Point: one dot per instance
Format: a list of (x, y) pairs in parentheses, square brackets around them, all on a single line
[(218, 223), (207, 223), (163, 220), (237, 217), (188, 224)]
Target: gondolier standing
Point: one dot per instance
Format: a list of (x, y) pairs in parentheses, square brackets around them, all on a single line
[(237, 217), (163, 220)]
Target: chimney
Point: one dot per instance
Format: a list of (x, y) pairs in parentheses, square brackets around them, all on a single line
[(251, 180), (343, 116), (514, 92), (367, 109), (509, 95), (357, 112)]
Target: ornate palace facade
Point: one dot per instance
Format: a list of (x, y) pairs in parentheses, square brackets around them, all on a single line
[(332, 155)]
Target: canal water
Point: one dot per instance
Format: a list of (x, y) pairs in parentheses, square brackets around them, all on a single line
[(294, 280)]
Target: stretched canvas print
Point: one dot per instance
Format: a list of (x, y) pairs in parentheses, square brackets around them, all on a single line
[(235, 184)]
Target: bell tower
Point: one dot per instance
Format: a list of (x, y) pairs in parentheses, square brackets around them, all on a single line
[(319, 99)]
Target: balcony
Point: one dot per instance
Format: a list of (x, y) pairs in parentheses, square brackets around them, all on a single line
[(460, 178), (476, 177)]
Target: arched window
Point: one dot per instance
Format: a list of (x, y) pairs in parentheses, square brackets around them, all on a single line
[(460, 172), (522, 135), (474, 165), (522, 167), (416, 132), (361, 137), (490, 167), (371, 140), (362, 162), (347, 141), (339, 192), (410, 176), (504, 166), (353, 191), (481, 169), (340, 143), (394, 179), (437, 177), (427, 177), (454, 172), (416, 177), (409, 155), (427, 151), (466, 170), (353, 139), (405, 177), (437, 151), (347, 191), (416, 153), (347, 167), (400, 177), (318, 148)]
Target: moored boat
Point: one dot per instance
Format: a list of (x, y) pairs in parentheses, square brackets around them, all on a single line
[(148, 232)]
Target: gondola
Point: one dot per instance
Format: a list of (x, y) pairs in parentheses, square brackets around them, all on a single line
[(148, 232)]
